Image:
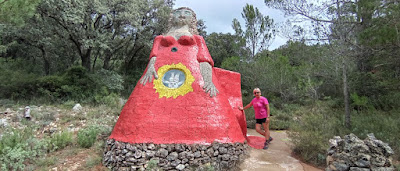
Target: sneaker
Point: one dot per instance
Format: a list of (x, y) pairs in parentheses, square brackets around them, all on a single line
[(270, 139), (266, 146)]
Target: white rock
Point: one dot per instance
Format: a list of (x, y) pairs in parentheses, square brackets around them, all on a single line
[(77, 107), (3, 122)]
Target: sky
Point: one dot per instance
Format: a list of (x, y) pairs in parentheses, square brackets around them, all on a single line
[(219, 14)]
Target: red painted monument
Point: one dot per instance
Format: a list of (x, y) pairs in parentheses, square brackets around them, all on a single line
[(182, 104), (176, 109)]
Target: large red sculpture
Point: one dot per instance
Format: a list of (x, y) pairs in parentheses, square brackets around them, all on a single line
[(176, 107)]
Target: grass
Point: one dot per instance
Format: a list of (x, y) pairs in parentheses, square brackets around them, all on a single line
[(314, 125), (27, 147)]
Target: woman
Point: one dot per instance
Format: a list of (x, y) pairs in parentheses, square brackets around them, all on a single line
[(182, 104), (261, 112)]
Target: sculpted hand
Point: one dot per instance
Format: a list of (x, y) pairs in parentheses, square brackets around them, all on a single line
[(209, 87), (151, 71)]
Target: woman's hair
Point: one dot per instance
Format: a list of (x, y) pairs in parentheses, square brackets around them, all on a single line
[(192, 25), (255, 89)]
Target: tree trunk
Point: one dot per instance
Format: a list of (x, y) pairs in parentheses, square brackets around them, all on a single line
[(86, 59), (46, 61), (107, 59), (346, 96)]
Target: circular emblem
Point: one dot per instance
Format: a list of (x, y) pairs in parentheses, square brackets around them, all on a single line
[(176, 80)]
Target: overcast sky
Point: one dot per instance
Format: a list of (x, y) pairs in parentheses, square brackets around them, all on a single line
[(218, 14)]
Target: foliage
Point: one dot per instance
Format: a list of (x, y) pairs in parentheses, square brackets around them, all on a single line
[(87, 136), (259, 31), (312, 129), (16, 11), (315, 124), (222, 46), (77, 84), (60, 140), (17, 146)]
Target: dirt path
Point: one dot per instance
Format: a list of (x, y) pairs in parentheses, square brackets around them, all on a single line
[(276, 158)]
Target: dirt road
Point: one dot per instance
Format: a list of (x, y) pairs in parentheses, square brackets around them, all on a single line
[(276, 158)]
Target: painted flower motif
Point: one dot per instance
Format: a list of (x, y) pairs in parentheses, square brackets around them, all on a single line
[(176, 81)]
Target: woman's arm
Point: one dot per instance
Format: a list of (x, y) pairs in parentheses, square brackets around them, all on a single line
[(267, 107), (246, 107)]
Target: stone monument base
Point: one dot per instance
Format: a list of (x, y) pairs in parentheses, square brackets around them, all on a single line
[(128, 156)]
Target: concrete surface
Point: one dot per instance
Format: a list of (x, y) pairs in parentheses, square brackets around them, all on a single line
[(276, 158)]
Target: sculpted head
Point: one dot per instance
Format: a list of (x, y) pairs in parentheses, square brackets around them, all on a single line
[(183, 16)]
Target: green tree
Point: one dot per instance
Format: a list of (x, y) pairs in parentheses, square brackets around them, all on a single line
[(332, 21), (222, 46), (14, 13), (259, 31), (110, 35)]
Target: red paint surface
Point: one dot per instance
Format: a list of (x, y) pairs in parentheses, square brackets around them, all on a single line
[(193, 118), (255, 142)]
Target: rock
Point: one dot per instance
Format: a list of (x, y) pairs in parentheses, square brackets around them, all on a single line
[(151, 147), (3, 122), (362, 160), (172, 156), (175, 163), (180, 167), (226, 157), (197, 154), (340, 166), (150, 154), (119, 155), (162, 153), (222, 150), (138, 154), (210, 152), (354, 154), (359, 169), (77, 107), (383, 169)]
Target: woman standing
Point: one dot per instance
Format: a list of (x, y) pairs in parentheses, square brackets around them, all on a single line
[(261, 112)]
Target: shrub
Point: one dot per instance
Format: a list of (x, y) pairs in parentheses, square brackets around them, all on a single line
[(87, 136), (18, 146), (13, 157), (60, 140), (311, 131)]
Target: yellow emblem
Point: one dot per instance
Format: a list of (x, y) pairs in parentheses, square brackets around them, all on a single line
[(173, 80)]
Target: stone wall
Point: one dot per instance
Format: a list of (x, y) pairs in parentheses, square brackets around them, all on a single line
[(354, 154), (127, 156)]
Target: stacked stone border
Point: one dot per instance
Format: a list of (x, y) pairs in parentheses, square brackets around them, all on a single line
[(354, 154), (142, 156)]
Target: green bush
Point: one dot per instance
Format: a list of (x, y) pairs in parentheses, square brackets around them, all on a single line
[(60, 140), (87, 136), (76, 84), (17, 147), (314, 125), (13, 158), (311, 130), (384, 125)]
